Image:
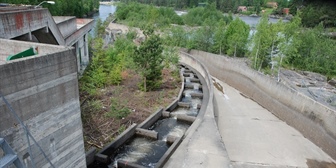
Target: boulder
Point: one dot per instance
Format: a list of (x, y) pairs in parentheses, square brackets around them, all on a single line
[(315, 76), (332, 82)]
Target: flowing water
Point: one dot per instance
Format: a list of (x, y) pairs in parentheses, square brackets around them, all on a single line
[(141, 151), (169, 126), (185, 111)]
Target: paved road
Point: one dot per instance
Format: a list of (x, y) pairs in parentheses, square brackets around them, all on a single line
[(254, 137)]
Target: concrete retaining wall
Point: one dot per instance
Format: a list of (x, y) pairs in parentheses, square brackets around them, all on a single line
[(314, 120), (43, 90)]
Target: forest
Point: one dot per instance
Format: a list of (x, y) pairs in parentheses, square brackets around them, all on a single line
[(291, 45), (138, 67), (316, 11), (313, 11), (63, 7), (222, 5)]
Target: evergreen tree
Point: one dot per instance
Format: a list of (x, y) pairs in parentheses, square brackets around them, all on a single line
[(148, 57)]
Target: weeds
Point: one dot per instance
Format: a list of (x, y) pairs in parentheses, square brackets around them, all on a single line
[(121, 129), (118, 109), (92, 106)]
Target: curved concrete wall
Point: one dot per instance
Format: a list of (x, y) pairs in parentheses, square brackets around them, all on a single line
[(202, 144), (201, 69), (314, 120)]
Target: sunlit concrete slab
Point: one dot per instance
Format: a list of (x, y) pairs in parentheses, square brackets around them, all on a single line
[(202, 149), (254, 137)]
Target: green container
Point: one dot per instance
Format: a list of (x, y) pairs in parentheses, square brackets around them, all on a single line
[(31, 51)]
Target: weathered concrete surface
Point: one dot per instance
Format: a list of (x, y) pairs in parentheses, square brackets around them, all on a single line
[(43, 90), (204, 148), (202, 145), (66, 24), (20, 22), (37, 25), (254, 137), (314, 120), (10, 47)]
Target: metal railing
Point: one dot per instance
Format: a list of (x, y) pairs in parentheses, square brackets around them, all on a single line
[(28, 134)]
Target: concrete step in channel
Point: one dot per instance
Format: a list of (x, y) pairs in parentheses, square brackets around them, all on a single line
[(187, 105)]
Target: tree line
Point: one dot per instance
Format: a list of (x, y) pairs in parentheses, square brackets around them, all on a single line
[(271, 46), (222, 5), (77, 8), (313, 12)]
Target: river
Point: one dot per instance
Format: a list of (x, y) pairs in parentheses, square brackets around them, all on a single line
[(104, 11)]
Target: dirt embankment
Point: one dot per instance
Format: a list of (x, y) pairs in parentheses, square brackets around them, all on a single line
[(114, 108)]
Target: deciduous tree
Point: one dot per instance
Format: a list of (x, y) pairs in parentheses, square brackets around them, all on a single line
[(237, 35)]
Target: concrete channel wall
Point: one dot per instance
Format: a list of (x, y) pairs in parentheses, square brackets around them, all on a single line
[(202, 145), (314, 120), (43, 90), (207, 101)]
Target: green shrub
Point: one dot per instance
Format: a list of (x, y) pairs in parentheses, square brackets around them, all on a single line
[(139, 15), (197, 16)]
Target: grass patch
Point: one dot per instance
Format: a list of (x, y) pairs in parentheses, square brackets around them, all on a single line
[(118, 109)]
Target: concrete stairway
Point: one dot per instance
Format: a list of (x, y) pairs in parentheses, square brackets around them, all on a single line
[(10, 156)]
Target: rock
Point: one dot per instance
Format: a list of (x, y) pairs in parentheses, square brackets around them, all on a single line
[(289, 17), (332, 101), (315, 76), (302, 84), (332, 82), (254, 15)]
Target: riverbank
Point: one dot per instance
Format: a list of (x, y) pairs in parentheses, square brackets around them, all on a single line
[(107, 3)]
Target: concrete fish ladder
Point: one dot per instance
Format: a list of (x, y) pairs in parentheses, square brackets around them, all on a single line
[(138, 145)]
